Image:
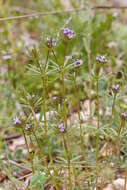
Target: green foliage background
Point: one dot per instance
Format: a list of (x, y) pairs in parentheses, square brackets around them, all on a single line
[(107, 34)]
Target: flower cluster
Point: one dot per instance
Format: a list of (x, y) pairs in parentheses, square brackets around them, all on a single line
[(28, 127), (17, 121), (123, 115), (115, 87), (61, 127), (101, 59), (54, 98), (6, 57), (50, 42), (77, 62), (69, 34), (29, 97)]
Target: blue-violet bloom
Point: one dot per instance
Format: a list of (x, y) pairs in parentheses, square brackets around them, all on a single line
[(115, 87), (28, 127), (50, 42), (69, 34), (54, 98), (77, 62), (101, 59), (6, 57), (61, 127), (29, 97), (123, 115), (17, 121)]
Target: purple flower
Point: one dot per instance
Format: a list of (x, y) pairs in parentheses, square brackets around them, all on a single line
[(29, 97), (77, 62), (69, 34), (101, 59), (68, 57), (115, 14), (5, 42), (50, 42), (36, 17), (6, 57), (17, 121), (28, 127), (115, 87), (123, 115), (61, 127), (17, 8), (54, 98)]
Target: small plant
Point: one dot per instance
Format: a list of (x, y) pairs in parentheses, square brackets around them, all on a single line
[(46, 128)]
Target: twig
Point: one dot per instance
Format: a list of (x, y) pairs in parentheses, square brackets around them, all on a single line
[(16, 164), (10, 137), (25, 176), (60, 12)]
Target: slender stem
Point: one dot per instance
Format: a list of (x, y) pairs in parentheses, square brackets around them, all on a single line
[(89, 61), (68, 160), (33, 145), (79, 116), (60, 12), (40, 147), (63, 86), (125, 183), (75, 178), (42, 154), (102, 184), (44, 107), (65, 112), (45, 118), (56, 59), (110, 126), (120, 140), (98, 128), (46, 61), (31, 160), (64, 99), (37, 140), (65, 119), (34, 115)]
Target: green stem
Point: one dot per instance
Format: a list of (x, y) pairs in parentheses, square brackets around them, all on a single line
[(110, 126), (40, 147), (89, 59), (42, 154), (65, 119), (37, 140), (125, 183), (31, 160), (64, 99), (61, 68), (32, 144), (56, 59), (45, 119), (34, 115), (68, 160), (98, 128), (44, 107), (79, 117)]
